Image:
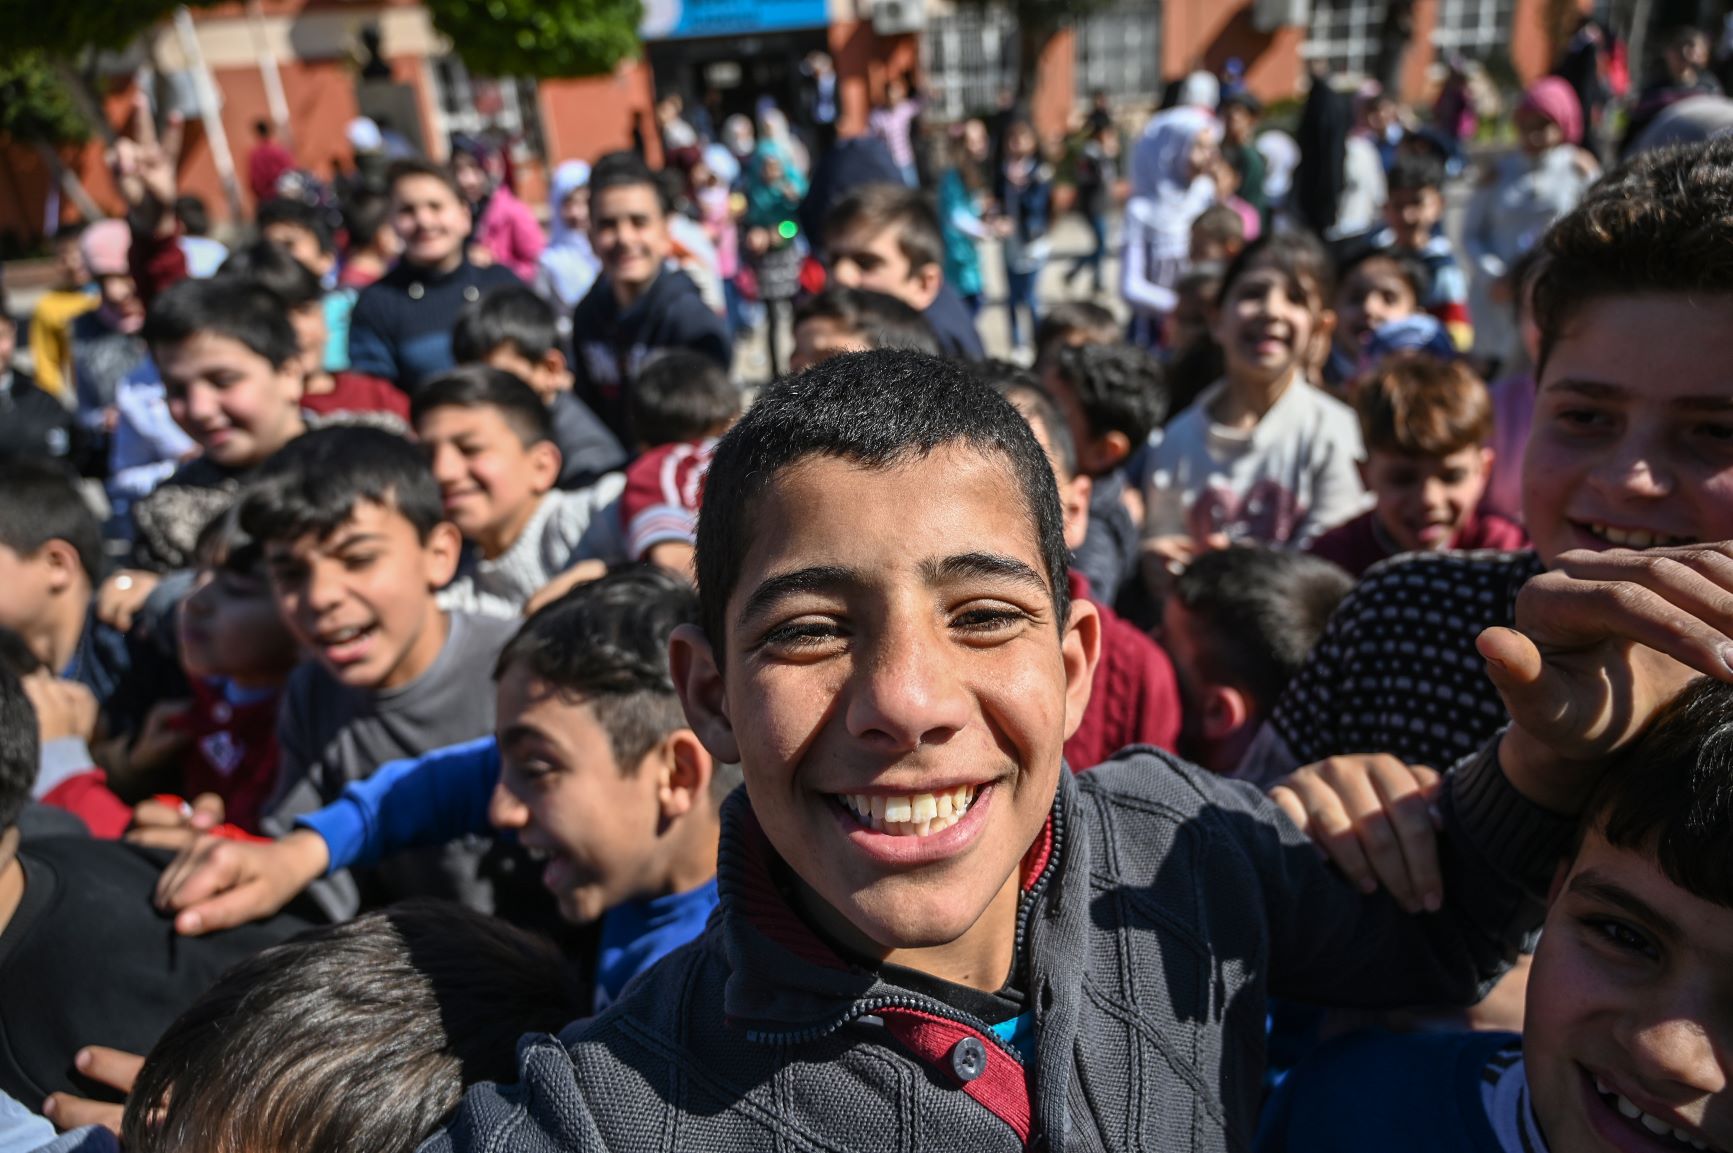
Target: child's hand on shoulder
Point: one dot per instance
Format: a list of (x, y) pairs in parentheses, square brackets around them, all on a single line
[(1601, 643), (122, 595), (1375, 819)]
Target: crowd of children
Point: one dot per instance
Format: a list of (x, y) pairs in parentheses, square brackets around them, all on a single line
[(442, 708)]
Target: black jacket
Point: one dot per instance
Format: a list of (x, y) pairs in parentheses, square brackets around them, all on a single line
[(1161, 910), (33, 425), (610, 346)]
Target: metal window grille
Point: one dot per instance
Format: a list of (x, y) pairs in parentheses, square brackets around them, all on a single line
[(477, 103), (969, 57), (1119, 51), (1344, 35), (1477, 28)]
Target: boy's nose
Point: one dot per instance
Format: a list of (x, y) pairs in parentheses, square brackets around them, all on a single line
[(505, 811), (906, 694)]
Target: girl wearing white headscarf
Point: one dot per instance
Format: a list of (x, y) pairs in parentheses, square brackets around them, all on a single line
[(568, 266), (1171, 185)]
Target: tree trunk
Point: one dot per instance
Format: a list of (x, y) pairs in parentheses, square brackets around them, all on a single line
[(1393, 37), (70, 184), (1032, 42)]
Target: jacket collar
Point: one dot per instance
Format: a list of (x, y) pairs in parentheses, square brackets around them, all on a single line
[(786, 983)]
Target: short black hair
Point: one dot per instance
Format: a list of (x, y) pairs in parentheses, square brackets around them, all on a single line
[(412, 166), (1058, 323), (1025, 392), (40, 502), (313, 483), (1655, 224), (366, 211), (1408, 267), (20, 748), (307, 217), (881, 206), (680, 395), (1670, 793), (479, 386), (194, 217), (1259, 611), (1416, 171), (1119, 387), (879, 319), (229, 306), (513, 316), (278, 273), (875, 410), (607, 642), (1299, 256), (625, 170), (361, 1035)]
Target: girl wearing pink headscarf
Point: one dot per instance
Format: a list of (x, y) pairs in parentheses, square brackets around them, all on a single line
[(1522, 194)]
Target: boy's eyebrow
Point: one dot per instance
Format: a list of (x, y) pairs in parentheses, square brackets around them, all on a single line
[(1590, 883), (1603, 390), (814, 578), (984, 564)]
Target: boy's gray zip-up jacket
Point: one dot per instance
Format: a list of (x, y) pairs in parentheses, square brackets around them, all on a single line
[(1162, 908)]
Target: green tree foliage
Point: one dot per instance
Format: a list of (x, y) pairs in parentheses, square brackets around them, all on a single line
[(539, 38), (35, 107), (66, 29)]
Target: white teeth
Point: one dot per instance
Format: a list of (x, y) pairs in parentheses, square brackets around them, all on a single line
[(1603, 1088), (1656, 1125), (913, 815), (1635, 537), (1629, 1110)]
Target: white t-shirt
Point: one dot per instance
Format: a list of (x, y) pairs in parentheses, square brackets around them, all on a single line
[(1285, 480)]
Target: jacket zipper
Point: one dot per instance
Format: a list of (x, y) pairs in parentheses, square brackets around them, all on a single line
[(870, 1007)]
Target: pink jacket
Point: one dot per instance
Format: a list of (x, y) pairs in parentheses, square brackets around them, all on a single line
[(508, 229)]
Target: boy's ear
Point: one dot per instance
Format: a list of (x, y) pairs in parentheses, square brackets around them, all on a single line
[(443, 548), (1074, 504), (61, 560), (927, 279), (685, 767), (697, 674), (1081, 650), (555, 371), (545, 463), (1115, 446), (1488, 458), (1226, 710)]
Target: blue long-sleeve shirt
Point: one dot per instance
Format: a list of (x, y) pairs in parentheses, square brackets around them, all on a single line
[(444, 794)]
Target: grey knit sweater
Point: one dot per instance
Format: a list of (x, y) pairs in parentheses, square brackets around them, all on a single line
[(1165, 907)]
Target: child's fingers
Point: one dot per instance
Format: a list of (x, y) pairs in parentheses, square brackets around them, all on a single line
[(249, 902), (1558, 610), (1289, 802), (115, 1068), (1331, 829), (1351, 777), (208, 811), (69, 1112), (1409, 813), (202, 871)]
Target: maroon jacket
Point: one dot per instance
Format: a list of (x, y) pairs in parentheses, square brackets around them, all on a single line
[(1360, 544), (1134, 699)]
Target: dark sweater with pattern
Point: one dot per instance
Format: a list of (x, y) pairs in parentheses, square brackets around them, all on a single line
[(1162, 907)]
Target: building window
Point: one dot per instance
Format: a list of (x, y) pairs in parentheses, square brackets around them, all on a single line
[(969, 56), (1119, 52), (476, 104), (1344, 35), (1475, 28)]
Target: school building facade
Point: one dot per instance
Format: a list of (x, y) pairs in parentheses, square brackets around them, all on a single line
[(315, 65)]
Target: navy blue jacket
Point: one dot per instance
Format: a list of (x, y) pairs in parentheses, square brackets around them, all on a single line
[(401, 327)]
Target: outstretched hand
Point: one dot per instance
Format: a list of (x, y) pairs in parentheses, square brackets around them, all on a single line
[(144, 164), (1374, 818), (217, 883), (1600, 645)]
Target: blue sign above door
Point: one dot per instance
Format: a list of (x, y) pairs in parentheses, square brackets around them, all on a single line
[(678, 19)]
